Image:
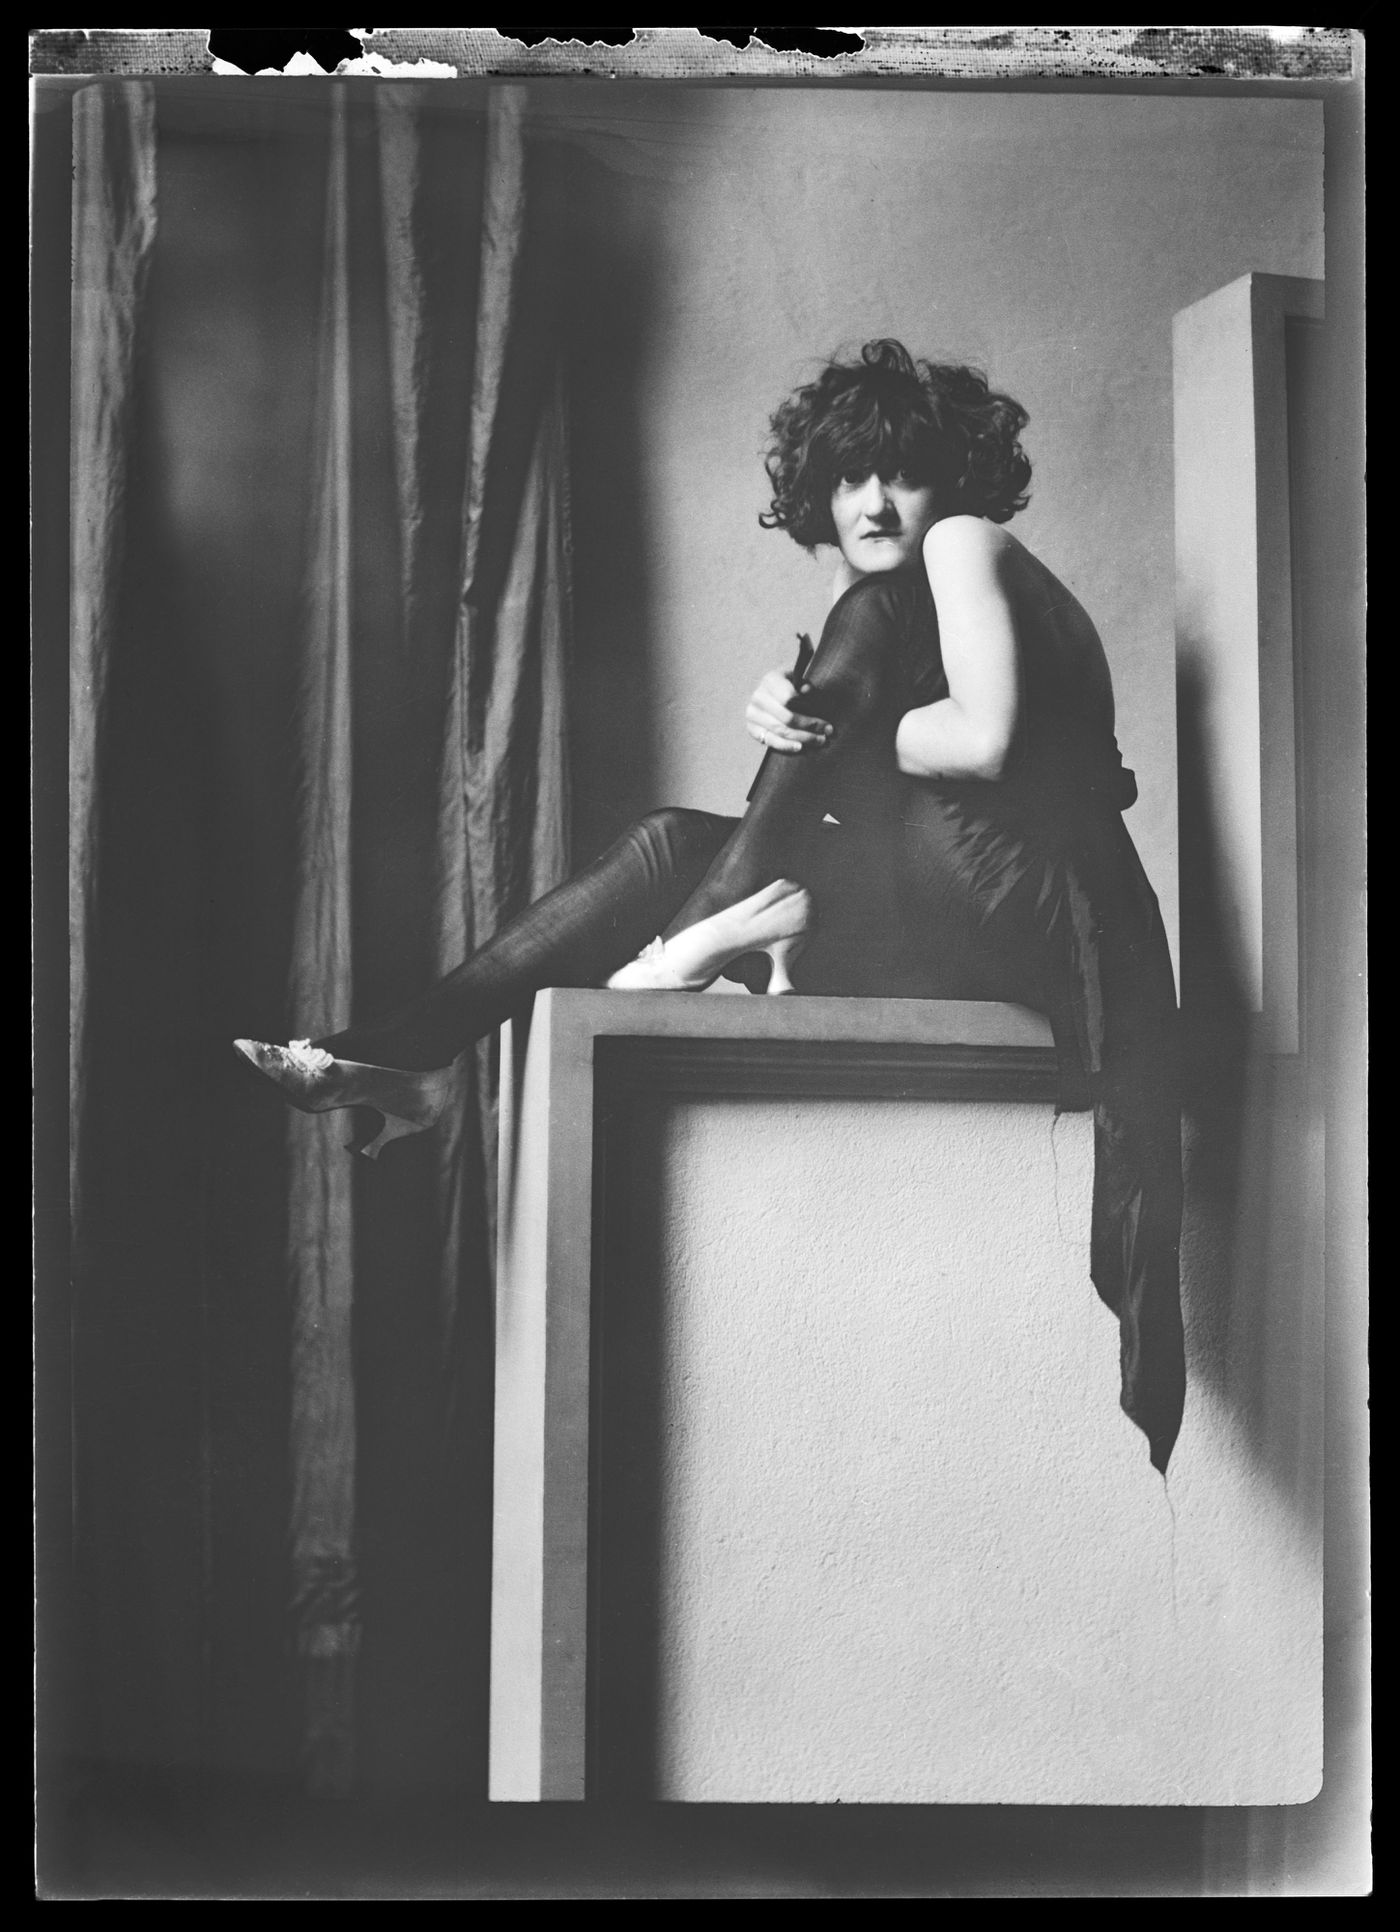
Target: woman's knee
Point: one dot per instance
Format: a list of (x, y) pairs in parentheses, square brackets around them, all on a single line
[(859, 651), (673, 835)]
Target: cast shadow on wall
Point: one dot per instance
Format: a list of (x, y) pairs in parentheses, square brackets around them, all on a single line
[(1251, 1271)]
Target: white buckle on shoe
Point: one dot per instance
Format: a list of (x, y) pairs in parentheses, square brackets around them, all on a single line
[(307, 1058)]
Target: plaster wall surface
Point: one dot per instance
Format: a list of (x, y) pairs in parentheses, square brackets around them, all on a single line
[(909, 1548), (747, 233)]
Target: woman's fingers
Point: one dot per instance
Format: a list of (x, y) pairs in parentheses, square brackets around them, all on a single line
[(773, 721), (799, 721), (780, 735), (773, 740)]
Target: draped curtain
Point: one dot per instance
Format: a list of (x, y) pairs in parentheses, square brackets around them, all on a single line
[(319, 628)]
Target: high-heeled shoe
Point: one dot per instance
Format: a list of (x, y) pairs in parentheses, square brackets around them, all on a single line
[(315, 1082), (776, 921)]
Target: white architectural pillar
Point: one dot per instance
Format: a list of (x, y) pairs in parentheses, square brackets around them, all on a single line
[(1235, 624)]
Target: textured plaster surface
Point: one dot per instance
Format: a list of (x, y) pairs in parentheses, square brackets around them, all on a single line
[(911, 1550)]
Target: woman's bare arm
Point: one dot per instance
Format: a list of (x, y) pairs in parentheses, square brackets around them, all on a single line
[(969, 733)]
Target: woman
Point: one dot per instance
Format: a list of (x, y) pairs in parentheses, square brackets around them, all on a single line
[(938, 815)]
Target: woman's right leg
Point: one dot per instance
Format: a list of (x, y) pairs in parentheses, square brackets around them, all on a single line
[(857, 681), (676, 868), (575, 936)]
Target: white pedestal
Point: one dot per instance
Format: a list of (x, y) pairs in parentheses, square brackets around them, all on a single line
[(811, 1482)]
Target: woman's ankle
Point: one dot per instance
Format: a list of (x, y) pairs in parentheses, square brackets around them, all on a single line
[(710, 900), (383, 1050)]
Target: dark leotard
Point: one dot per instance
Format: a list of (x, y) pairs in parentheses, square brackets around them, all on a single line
[(1028, 888)]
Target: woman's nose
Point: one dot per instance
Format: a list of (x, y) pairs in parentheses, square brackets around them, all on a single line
[(875, 496)]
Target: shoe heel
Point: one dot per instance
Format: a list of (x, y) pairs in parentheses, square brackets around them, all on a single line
[(784, 954), (368, 1141), (427, 1095)]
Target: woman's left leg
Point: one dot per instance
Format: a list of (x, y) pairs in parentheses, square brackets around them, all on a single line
[(575, 936), (856, 681), (676, 868)]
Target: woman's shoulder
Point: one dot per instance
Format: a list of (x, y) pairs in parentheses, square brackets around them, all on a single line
[(964, 541)]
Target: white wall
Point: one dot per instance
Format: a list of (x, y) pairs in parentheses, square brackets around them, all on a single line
[(910, 1548), (1049, 238)]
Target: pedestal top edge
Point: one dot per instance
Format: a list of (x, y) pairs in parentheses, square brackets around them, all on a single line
[(797, 1017)]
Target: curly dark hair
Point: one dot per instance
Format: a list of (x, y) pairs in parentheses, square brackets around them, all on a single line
[(890, 415)]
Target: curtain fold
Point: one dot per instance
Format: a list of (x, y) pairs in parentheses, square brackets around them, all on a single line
[(401, 167), (320, 1232), (510, 700), (513, 638), (500, 818), (114, 231)]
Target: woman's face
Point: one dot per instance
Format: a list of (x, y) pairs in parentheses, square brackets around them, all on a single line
[(881, 525)]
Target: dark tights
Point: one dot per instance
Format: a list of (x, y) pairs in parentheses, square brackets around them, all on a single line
[(676, 867)]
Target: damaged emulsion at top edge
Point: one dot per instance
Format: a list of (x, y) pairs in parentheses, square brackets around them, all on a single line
[(1207, 53), (575, 37), (827, 43), (255, 49), (824, 42)]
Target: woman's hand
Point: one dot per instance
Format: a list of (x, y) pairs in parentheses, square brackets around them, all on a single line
[(773, 719)]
